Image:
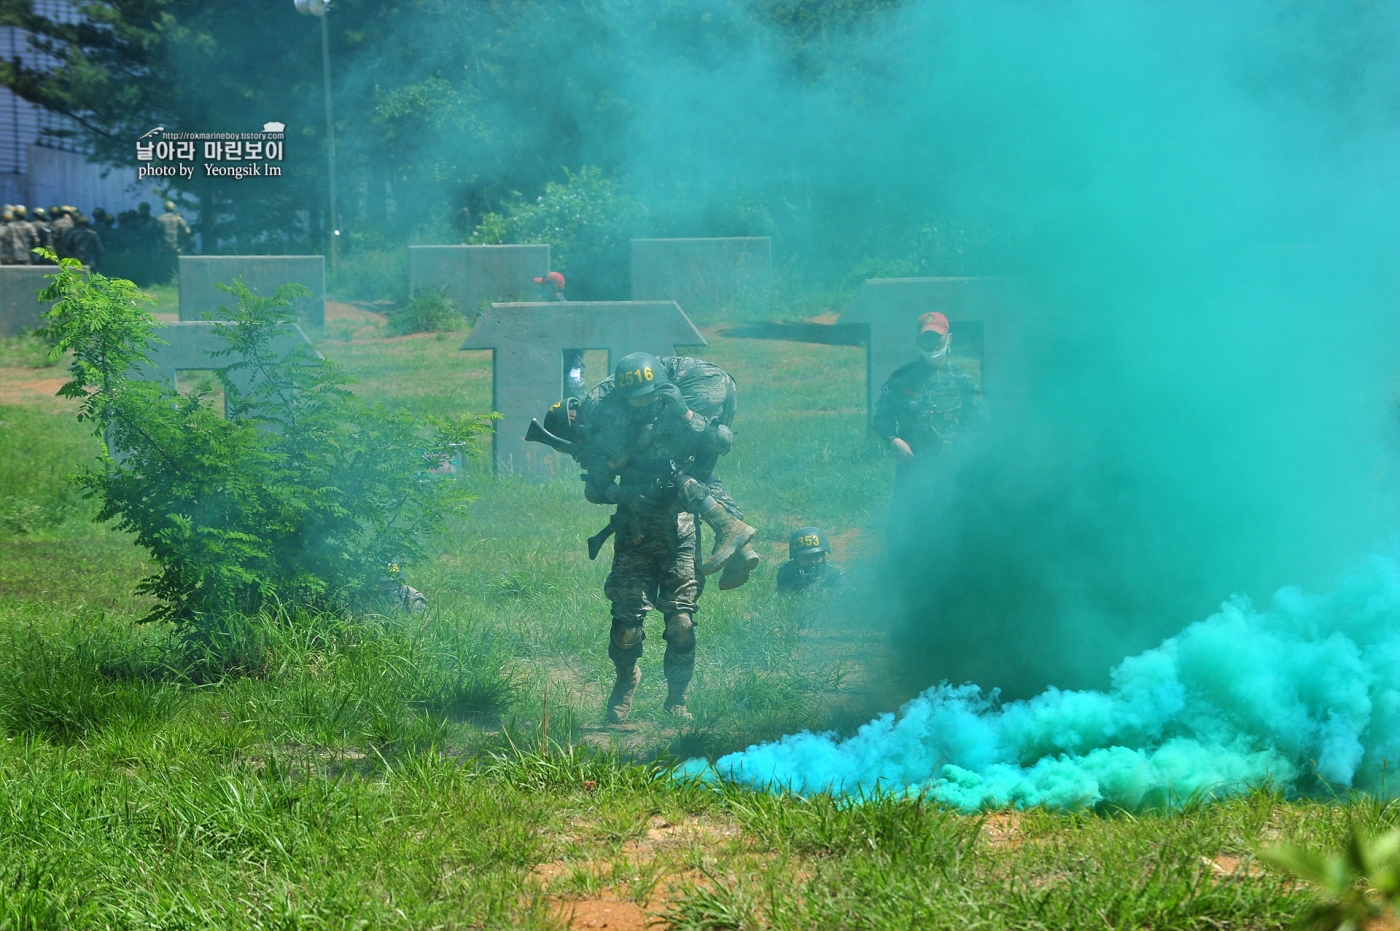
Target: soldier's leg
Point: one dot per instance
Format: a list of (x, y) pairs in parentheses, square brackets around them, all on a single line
[(731, 533), (678, 592), (744, 562), (628, 584)]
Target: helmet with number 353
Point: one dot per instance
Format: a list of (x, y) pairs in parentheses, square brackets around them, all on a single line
[(807, 540), (637, 374)]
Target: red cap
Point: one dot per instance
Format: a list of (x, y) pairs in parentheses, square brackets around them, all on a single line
[(553, 278), (934, 321)]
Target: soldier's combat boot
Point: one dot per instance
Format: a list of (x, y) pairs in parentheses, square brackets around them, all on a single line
[(731, 534), (679, 663), (736, 571), (620, 701)]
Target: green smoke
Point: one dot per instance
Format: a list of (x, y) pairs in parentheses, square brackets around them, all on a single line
[(1301, 696), (1199, 198)]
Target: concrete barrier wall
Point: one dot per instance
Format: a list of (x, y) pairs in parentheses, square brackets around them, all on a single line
[(199, 275), (19, 303), (699, 274), (529, 341), (477, 276)]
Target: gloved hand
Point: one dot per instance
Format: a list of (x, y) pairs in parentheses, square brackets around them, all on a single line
[(721, 438), (670, 395)]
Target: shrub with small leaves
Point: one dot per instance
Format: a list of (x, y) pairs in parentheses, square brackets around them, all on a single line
[(429, 311), (300, 495)]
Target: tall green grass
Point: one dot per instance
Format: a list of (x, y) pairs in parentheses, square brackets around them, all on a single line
[(448, 769)]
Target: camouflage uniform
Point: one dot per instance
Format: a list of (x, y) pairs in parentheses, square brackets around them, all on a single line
[(59, 225), (25, 238), (7, 240), (630, 452), (928, 407), (84, 244), (711, 393), (794, 578)]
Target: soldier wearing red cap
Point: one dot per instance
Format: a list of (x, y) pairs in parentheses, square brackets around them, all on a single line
[(928, 403), (552, 289)]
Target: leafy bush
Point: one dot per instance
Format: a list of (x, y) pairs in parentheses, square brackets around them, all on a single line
[(587, 223), (430, 311), (300, 496)]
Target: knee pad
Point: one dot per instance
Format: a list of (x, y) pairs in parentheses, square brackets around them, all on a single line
[(627, 638), (680, 633)]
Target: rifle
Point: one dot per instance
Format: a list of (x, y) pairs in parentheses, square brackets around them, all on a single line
[(595, 542)]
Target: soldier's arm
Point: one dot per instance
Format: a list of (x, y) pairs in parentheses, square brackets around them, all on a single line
[(600, 487), (886, 422)]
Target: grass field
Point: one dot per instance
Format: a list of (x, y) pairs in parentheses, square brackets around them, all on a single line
[(449, 770)]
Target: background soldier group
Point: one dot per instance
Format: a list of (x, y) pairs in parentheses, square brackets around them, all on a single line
[(146, 247)]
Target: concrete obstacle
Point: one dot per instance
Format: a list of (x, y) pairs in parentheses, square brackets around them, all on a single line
[(527, 372), (700, 274), (191, 345), (19, 297), (264, 274), (476, 276), (986, 316)]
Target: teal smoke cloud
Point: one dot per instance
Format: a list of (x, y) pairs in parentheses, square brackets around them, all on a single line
[(1304, 695)]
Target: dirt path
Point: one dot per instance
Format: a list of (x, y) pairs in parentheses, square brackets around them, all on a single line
[(25, 386)]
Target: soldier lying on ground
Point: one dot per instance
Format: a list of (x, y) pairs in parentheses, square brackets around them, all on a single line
[(807, 564)]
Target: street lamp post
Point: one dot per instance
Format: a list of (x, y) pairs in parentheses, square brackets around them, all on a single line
[(319, 8)]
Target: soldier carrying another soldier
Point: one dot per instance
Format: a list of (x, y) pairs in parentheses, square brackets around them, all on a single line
[(643, 446)]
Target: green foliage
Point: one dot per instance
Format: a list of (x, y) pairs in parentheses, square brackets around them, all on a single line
[(429, 311), (587, 223), (1360, 885), (302, 494), (370, 271), (37, 449), (294, 768)]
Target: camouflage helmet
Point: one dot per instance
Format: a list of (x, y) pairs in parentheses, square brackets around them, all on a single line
[(170, 206), (40, 213), (637, 374), (806, 541), (20, 211), (7, 215)]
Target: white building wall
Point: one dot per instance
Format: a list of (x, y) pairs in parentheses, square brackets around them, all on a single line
[(40, 166)]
